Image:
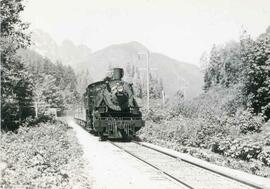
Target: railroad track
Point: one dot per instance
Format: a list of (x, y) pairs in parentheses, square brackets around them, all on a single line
[(184, 172), (188, 175)]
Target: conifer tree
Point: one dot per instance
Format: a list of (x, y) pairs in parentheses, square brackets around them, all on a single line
[(16, 86), (256, 58)]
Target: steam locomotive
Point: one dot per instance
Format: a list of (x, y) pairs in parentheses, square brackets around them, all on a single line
[(111, 110)]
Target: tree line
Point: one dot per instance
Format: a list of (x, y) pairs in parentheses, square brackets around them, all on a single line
[(245, 66), (55, 85)]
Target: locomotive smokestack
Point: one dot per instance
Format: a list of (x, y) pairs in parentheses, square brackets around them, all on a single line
[(118, 73)]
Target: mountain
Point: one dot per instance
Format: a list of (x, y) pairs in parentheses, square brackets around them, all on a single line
[(175, 74), (67, 52), (44, 45)]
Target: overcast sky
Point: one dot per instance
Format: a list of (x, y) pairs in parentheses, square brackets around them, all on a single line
[(181, 29)]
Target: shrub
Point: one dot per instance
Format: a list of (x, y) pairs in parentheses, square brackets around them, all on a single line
[(216, 102), (29, 121), (45, 156), (219, 145), (248, 122), (237, 148), (243, 150), (264, 156), (244, 121)]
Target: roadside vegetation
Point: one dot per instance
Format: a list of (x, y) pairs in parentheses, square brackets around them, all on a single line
[(229, 122), (35, 152), (42, 153), (240, 142)]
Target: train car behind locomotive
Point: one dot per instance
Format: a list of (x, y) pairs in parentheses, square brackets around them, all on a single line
[(111, 110)]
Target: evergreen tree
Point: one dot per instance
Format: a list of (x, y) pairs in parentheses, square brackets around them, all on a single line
[(244, 66), (256, 57), (207, 81), (225, 66), (59, 75), (204, 62), (155, 88), (230, 70), (215, 62), (52, 89), (16, 87)]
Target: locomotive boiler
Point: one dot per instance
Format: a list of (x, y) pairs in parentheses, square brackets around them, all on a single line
[(111, 108)]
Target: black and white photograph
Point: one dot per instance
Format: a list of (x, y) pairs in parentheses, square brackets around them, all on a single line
[(135, 94)]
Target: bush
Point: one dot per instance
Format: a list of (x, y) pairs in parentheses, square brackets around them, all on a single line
[(243, 150), (264, 156), (248, 122), (29, 121), (244, 121), (216, 102), (215, 121), (44, 156), (157, 112)]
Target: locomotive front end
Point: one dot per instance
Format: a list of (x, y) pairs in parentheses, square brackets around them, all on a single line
[(119, 115), (112, 127)]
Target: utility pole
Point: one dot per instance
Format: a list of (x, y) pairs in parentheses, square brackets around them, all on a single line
[(184, 87), (163, 98), (36, 108), (148, 82), (147, 78)]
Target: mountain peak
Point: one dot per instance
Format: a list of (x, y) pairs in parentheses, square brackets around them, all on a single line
[(132, 46), (135, 44), (175, 74), (67, 52), (68, 42)]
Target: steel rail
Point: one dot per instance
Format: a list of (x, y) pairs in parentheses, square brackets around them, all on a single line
[(153, 166), (201, 166), (173, 156)]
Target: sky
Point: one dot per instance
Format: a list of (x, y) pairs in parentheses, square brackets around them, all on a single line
[(180, 29)]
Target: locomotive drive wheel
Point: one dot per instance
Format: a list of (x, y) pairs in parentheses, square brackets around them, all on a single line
[(92, 132), (95, 133), (102, 137)]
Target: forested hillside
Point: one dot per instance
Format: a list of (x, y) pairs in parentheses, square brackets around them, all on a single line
[(55, 85), (245, 67)]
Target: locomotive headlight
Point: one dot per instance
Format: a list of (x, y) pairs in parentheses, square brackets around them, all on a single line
[(114, 88), (120, 88)]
